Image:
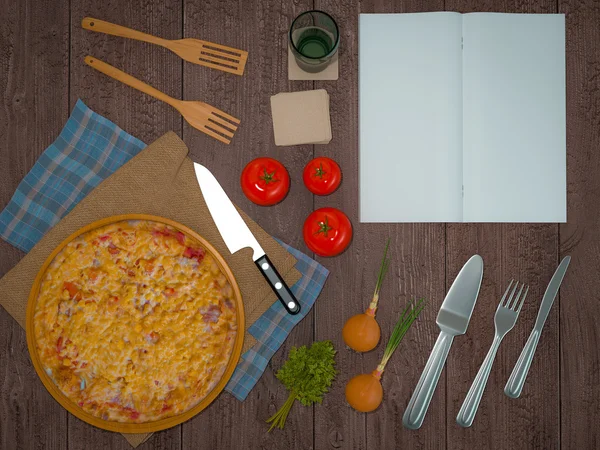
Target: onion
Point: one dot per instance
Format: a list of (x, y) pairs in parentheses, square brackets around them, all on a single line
[(364, 392), (361, 332)]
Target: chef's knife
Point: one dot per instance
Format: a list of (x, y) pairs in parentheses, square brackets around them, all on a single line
[(237, 235), (453, 319), (515, 383)]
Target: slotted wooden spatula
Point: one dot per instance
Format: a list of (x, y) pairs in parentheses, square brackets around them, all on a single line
[(196, 51), (200, 115)]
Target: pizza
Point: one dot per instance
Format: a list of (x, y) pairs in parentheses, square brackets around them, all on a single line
[(135, 321)]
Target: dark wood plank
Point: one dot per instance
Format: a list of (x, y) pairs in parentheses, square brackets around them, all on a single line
[(417, 270), (135, 112), (525, 252), (34, 54), (580, 340), (34, 74), (260, 27), (139, 114)]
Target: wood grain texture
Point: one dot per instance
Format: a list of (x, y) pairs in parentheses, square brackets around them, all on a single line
[(526, 252), (139, 114), (260, 27), (34, 52), (41, 76), (580, 302), (416, 271), (144, 117)]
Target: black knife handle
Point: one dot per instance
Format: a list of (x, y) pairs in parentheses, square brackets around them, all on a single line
[(281, 289)]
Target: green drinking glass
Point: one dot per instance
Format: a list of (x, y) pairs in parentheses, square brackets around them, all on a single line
[(314, 39)]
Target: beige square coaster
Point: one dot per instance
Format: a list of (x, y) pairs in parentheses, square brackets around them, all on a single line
[(301, 117), (331, 72)]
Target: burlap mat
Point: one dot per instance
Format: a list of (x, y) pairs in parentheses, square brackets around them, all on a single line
[(161, 181)]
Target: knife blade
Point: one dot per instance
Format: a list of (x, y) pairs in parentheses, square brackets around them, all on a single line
[(516, 381), (237, 235), (551, 291), (453, 319)]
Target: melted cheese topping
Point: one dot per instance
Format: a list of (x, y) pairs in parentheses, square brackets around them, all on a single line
[(134, 322)]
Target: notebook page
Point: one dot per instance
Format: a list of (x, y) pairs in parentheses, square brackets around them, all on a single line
[(514, 118), (410, 117)]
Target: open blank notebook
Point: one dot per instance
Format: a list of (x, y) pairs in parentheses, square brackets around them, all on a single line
[(462, 117)]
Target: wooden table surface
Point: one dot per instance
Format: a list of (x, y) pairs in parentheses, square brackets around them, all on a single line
[(42, 74)]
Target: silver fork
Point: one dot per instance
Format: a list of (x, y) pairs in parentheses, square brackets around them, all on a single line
[(504, 321)]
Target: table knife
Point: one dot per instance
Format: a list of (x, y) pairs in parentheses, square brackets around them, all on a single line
[(237, 235), (453, 319), (515, 383)]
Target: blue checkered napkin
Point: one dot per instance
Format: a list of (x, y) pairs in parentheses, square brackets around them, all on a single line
[(88, 150), (274, 326)]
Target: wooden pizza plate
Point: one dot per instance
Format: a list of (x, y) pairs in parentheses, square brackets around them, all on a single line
[(146, 427)]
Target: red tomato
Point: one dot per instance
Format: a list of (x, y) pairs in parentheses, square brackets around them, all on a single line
[(265, 181), (322, 176), (327, 231)]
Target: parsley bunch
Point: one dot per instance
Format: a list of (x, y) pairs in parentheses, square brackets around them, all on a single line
[(307, 374)]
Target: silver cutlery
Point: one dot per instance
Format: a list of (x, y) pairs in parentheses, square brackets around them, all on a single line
[(237, 235), (515, 383), (453, 319), (506, 316)]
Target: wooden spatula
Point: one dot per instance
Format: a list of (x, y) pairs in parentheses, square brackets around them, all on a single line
[(205, 53), (200, 115)]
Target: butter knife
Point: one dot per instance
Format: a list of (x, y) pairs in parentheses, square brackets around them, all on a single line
[(515, 383)]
